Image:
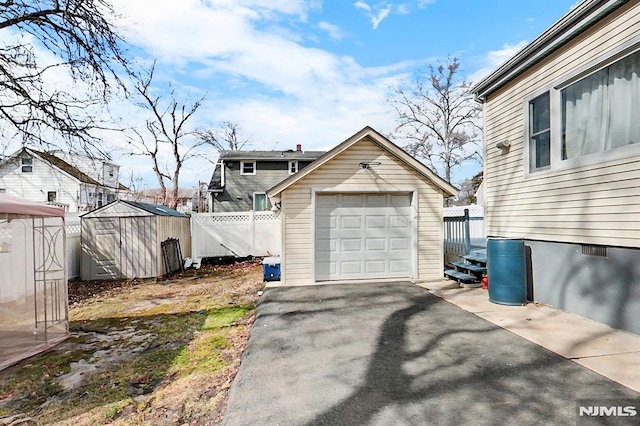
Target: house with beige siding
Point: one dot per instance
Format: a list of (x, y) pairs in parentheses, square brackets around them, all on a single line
[(562, 160), (365, 210)]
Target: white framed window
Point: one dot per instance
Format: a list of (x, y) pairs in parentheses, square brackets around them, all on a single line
[(51, 196), (247, 167), (261, 202), (27, 164), (589, 119), (293, 167), (540, 133), (600, 112)]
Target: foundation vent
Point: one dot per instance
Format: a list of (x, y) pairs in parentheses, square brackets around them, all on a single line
[(591, 250)]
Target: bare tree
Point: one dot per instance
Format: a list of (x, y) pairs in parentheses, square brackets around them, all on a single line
[(166, 130), (438, 117), (82, 39), (468, 189), (226, 137)]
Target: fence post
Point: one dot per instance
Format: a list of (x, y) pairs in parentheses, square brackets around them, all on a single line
[(252, 220), (467, 232)]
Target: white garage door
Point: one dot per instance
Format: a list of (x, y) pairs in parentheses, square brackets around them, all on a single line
[(363, 236)]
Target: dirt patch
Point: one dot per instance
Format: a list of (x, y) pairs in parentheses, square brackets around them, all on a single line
[(141, 352)]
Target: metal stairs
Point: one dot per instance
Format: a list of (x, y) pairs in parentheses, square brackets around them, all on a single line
[(468, 273)]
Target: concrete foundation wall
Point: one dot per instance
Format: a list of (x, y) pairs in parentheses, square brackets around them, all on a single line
[(606, 289)]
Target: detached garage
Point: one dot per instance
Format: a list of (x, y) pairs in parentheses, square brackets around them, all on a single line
[(123, 239), (364, 210)]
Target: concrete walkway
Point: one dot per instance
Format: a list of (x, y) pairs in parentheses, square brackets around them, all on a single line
[(395, 354), (612, 353)]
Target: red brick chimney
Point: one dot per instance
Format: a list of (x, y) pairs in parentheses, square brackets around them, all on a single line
[(299, 147)]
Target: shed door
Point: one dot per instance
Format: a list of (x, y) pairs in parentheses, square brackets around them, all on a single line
[(363, 236), (106, 249)]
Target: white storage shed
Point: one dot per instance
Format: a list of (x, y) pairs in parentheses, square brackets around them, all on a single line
[(123, 239)]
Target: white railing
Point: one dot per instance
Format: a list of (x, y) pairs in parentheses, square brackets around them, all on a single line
[(73, 250), (236, 234), (463, 231)]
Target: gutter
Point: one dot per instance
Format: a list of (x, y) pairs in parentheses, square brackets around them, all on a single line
[(560, 33)]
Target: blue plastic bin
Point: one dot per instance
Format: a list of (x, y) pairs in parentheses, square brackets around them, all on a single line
[(271, 268), (506, 269)]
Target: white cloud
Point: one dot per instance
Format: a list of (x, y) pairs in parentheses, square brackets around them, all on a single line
[(495, 58), (383, 13), (258, 73), (376, 13), (424, 3), (362, 5), (403, 9), (334, 31)]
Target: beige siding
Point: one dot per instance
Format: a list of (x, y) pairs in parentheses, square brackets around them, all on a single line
[(594, 204), (343, 174)]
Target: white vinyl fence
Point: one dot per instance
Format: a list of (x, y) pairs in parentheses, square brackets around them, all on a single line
[(73, 250), (476, 216), (238, 234)]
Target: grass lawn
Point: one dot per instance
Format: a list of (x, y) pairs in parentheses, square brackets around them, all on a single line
[(142, 352)]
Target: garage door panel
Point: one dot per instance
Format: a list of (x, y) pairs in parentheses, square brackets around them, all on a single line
[(376, 244), (402, 244), (396, 221), (400, 201), (350, 222), (399, 266), (351, 268), (326, 245), (375, 222), (351, 244), (327, 200), (350, 200), (376, 267), (363, 236), (376, 200)]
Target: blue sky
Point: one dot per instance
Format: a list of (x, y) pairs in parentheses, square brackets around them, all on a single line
[(315, 72)]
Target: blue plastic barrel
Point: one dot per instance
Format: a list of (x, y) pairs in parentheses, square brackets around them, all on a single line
[(506, 270)]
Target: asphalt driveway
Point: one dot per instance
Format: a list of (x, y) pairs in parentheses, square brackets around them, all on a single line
[(393, 354)]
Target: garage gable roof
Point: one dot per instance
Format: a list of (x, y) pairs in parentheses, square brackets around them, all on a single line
[(381, 141)]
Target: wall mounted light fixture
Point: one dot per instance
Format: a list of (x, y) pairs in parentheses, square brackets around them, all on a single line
[(369, 164), (503, 145)]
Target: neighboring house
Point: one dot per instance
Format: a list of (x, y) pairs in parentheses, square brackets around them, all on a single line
[(187, 198), (46, 178), (103, 171), (241, 178), (364, 210), (562, 160)]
